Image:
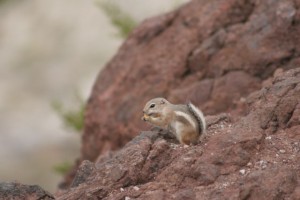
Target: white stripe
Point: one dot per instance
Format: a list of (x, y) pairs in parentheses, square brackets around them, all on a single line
[(187, 117), (178, 127), (200, 114)]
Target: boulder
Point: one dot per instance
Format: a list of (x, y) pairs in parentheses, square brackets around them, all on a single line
[(212, 53), (18, 191), (254, 157)]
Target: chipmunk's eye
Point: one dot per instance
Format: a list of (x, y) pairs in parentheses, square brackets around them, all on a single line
[(152, 105)]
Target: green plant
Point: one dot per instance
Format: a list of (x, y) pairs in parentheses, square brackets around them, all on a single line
[(3, 1), (71, 118), (121, 20), (62, 168)]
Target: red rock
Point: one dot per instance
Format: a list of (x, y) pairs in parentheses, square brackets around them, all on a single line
[(257, 184), (18, 191), (213, 53), (255, 157)]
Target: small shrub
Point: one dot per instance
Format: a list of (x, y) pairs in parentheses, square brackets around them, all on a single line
[(73, 119), (121, 20), (62, 168)]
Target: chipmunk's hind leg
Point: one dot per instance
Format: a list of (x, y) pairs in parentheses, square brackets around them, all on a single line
[(189, 137)]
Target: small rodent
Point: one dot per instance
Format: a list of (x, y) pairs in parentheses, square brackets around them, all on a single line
[(186, 122)]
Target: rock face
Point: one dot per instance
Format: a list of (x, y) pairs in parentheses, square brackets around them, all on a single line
[(19, 191), (254, 157), (213, 53)]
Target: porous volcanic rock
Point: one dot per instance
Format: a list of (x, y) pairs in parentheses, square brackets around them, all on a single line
[(254, 157), (213, 53), (17, 191)]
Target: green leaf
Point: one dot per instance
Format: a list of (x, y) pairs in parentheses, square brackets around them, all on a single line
[(62, 168), (121, 20)]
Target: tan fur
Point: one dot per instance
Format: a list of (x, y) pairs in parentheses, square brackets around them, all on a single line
[(189, 137)]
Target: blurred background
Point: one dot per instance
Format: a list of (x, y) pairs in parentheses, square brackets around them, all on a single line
[(50, 54)]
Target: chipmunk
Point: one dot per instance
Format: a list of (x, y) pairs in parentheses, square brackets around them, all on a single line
[(186, 122)]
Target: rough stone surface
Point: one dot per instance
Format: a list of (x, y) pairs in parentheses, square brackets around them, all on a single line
[(17, 191), (213, 53), (84, 171), (254, 157)]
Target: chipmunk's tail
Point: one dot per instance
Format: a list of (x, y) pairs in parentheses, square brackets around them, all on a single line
[(199, 117)]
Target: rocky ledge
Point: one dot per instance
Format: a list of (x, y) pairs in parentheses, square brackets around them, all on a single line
[(255, 157)]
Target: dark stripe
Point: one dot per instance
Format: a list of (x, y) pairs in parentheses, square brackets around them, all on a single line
[(197, 117), (183, 120)]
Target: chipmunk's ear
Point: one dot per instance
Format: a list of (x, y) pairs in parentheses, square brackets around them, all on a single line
[(162, 101)]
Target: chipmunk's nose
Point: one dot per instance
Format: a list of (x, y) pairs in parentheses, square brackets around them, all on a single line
[(145, 117)]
